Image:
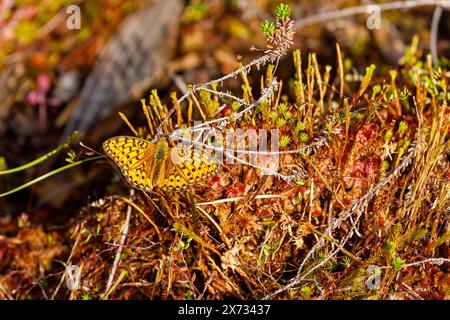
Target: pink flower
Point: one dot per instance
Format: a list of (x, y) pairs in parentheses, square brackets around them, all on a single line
[(43, 83), (39, 97), (34, 97)]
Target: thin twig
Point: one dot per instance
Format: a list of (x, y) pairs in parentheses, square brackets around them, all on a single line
[(346, 12), (123, 237), (213, 274), (68, 263), (210, 218), (434, 33), (139, 210), (261, 196), (437, 261)]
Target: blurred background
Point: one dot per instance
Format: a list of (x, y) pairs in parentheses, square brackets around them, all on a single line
[(70, 65)]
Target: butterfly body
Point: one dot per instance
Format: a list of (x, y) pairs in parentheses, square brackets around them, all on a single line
[(146, 165)]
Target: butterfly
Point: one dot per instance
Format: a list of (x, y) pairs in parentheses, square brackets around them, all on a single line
[(146, 165)]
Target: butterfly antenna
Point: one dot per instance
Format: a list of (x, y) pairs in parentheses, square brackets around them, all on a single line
[(125, 119), (153, 202), (90, 149)]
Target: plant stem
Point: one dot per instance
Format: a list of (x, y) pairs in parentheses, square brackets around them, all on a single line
[(47, 175), (32, 163)]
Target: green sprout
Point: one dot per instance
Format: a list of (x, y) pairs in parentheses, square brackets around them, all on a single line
[(384, 166), (359, 116), (303, 137), (301, 126), (398, 263), (306, 292), (388, 135), (331, 265), (273, 115), (235, 106), (282, 107), (281, 122), (288, 115), (284, 141), (70, 156), (283, 11), (376, 89), (267, 28), (346, 261), (404, 94), (406, 143), (402, 127), (86, 296)]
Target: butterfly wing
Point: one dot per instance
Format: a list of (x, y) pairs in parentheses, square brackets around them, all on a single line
[(132, 155), (125, 151), (190, 166)]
